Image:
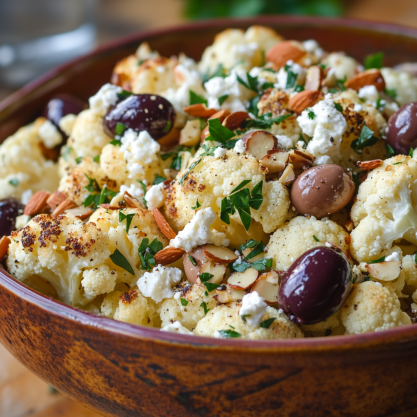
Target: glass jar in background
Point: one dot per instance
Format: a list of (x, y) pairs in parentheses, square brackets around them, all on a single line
[(36, 35)]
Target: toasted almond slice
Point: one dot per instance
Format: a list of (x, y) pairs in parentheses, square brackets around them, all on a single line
[(36, 203), (219, 254), (243, 280), (300, 160), (4, 246), (200, 110), (385, 271), (168, 255), (193, 261), (275, 161), (288, 176), (163, 225), (259, 142), (110, 207), (314, 78), (217, 271), (235, 120), (272, 277), (228, 295), (221, 115), (285, 51), (349, 225), (266, 289), (368, 165), (369, 77), (330, 79), (302, 100), (81, 212), (132, 201), (55, 199), (65, 205)]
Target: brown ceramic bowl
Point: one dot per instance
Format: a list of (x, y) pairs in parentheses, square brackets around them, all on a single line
[(124, 370)]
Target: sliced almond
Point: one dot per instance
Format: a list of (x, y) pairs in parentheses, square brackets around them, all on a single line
[(190, 133), (314, 78), (36, 203), (285, 51), (163, 225), (300, 160), (200, 110), (217, 271), (235, 120), (368, 165), (369, 77), (226, 294), (259, 142), (65, 205), (219, 254), (110, 207), (385, 271), (243, 280), (288, 176), (81, 212), (132, 201), (302, 100), (330, 79), (272, 277), (349, 225), (55, 199), (168, 255), (192, 262), (4, 246), (275, 161), (266, 289)]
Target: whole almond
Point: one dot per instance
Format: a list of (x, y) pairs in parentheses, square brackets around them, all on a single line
[(36, 203), (314, 78), (285, 51), (55, 199), (65, 205), (301, 101), (368, 165), (4, 246), (168, 255), (369, 77), (235, 120), (163, 225), (200, 110)]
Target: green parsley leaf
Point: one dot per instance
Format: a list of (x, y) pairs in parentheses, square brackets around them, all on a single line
[(377, 261), (197, 205), (374, 61), (119, 260), (380, 104), (205, 276), (367, 278), (158, 179), (262, 264), (366, 138), (391, 92), (227, 334), (243, 317), (66, 152), (411, 152), (397, 163), (266, 324), (204, 305), (267, 85), (192, 260), (315, 238), (211, 286), (266, 121), (124, 94), (106, 195), (222, 99), (97, 159), (258, 249), (415, 257), (14, 182), (226, 208), (116, 142), (120, 129), (338, 107), (155, 246), (249, 244), (311, 115), (167, 155), (298, 88), (241, 185), (252, 83), (128, 218), (256, 196), (240, 267), (167, 127), (143, 186), (340, 84), (197, 99), (147, 253), (184, 302), (176, 163), (253, 105), (390, 151), (218, 132), (207, 152), (291, 79), (79, 159)]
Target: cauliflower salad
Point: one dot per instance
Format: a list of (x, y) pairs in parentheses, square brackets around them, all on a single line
[(268, 191)]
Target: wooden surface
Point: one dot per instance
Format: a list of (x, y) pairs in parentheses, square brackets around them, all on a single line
[(21, 393)]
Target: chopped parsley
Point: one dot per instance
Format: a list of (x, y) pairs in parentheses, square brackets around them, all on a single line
[(291, 78), (366, 138), (119, 260), (97, 197), (205, 277), (374, 61), (197, 205), (243, 317), (298, 88), (415, 257), (124, 94), (311, 115), (222, 99), (127, 217), (192, 260), (411, 152), (204, 305), (14, 182), (377, 261), (147, 253), (390, 151), (338, 107), (79, 159), (120, 129), (340, 86), (265, 121), (197, 99), (266, 324), (251, 84), (66, 152), (227, 334), (391, 93), (143, 186), (315, 238), (184, 302), (259, 265), (397, 163), (158, 179), (220, 71), (97, 159), (218, 132), (207, 152), (380, 104)]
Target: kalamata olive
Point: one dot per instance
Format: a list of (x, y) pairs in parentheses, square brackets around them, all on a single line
[(61, 105), (322, 190), (316, 285), (192, 271), (141, 112), (402, 129), (10, 208)]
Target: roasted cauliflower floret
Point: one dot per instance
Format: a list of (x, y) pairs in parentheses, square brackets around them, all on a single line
[(342, 65), (385, 209), (100, 280), (299, 235), (402, 84), (372, 308), (410, 270), (226, 317)]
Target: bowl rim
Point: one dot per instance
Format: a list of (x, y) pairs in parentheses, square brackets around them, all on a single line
[(402, 334)]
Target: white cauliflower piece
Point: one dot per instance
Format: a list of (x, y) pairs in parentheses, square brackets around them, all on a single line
[(371, 307), (297, 236), (342, 65), (226, 317), (404, 85), (176, 327), (155, 196), (104, 98), (410, 270), (100, 280), (385, 209)]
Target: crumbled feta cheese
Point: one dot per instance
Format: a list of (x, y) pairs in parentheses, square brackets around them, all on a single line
[(177, 295), (26, 196), (217, 335), (67, 123), (49, 134), (105, 97), (300, 144), (176, 327), (240, 146), (282, 75), (220, 152), (133, 189), (326, 128), (253, 308), (369, 93), (395, 256), (197, 232), (323, 160), (155, 196), (357, 108), (285, 141), (313, 47), (158, 283)]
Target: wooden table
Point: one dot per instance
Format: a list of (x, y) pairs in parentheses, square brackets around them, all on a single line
[(21, 393)]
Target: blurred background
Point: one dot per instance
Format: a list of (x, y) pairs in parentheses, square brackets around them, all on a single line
[(36, 35)]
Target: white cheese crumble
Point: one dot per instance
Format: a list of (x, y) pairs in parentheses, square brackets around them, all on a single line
[(67, 123), (104, 98), (133, 189), (282, 75), (313, 47), (323, 160), (240, 147), (49, 134), (220, 152), (176, 327), (253, 308), (369, 93), (357, 108), (26, 196), (326, 128), (158, 283), (285, 141), (155, 196), (197, 232), (395, 256)]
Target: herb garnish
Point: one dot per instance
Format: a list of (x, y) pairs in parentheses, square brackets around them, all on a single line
[(197, 99), (14, 182), (205, 277), (338, 107), (227, 334), (311, 115), (143, 186), (147, 253), (97, 159), (192, 260), (266, 324), (380, 104), (207, 152), (374, 61), (377, 261), (265, 121), (127, 217), (391, 93), (252, 83), (259, 265), (390, 151), (197, 205), (411, 152), (366, 138), (96, 197), (120, 129), (158, 179), (222, 99), (79, 159), (184, 302), (119, 260), (204, 305), (291, 77), (66, 152), (315, 238), (415, 257), (123, 94)]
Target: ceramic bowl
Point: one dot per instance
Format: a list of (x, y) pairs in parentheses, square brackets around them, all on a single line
[(124, 370)]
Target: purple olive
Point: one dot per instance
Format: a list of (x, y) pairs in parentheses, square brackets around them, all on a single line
[(141, 112), (402, 129), (10, 208), (316, 285)]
